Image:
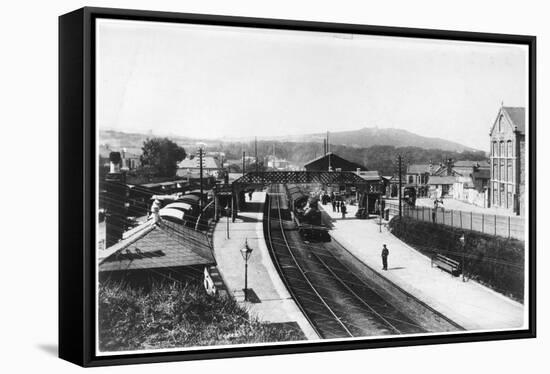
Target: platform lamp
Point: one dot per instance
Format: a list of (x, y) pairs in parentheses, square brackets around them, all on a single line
[(463, 242), (246, 251)]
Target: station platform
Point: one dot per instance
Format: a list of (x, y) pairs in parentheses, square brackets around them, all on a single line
[(270, 300), (469, 304)]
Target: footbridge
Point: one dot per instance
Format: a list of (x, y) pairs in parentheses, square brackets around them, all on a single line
[(261, 180)]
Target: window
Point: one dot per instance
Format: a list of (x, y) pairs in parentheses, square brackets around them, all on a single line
[(510, 148), (495, 150), (495, 169), (495, 193), (502, 171), (502, 150), (510, 171), (510, 196)]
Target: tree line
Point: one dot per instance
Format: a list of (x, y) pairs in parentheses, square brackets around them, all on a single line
[(379, 157), (160, 156)]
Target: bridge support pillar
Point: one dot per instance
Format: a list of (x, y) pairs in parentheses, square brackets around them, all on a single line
[(217, 208)]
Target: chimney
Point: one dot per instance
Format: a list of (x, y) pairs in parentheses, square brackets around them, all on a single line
[(450, 165), (155, 208), (124, 161), (115, 199), (114, 159)]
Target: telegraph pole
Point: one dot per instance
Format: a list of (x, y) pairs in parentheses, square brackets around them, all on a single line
[(399, 161), (256, 152), (200, 168), (463, 243), (244, 171), (328, 151)]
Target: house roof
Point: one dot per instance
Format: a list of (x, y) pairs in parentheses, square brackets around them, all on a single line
[(209, 162), (418, 168), (369, 175), (167, 183), (516, 116), (161, 245), (466, 163), (336, 162), (447, 179), (482, 173)]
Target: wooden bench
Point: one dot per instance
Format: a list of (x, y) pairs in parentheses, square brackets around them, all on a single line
[(447, 264)]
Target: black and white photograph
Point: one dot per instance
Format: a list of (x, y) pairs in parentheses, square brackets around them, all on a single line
[(260, 186)]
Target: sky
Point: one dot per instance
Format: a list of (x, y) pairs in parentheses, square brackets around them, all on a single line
[(221, 82)]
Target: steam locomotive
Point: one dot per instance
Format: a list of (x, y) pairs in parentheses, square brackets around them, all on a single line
[(306, 214)]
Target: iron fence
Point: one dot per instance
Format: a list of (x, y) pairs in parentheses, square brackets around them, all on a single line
[(492, 224)]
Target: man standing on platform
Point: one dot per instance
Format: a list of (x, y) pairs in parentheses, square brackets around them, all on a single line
[(385, 253)]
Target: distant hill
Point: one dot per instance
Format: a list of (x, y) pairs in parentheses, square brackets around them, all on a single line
[(132, 142), (374, 148), (362, 138), (371, 136)]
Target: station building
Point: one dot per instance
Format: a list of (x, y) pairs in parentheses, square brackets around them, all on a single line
[(333, 162), (367, 197)]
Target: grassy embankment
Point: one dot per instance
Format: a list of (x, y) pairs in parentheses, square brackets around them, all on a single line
[(496, 262), (174, 315)]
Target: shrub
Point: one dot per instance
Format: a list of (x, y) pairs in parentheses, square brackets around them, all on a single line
[(496, 262), (177, 315)]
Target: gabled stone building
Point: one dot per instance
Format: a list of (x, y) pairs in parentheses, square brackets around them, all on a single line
[(507, 185)]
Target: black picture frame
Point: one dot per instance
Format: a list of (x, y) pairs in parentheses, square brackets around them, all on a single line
[(77, 185)]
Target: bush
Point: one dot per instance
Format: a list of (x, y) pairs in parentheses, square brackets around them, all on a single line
[(496, 262), (172, 315)]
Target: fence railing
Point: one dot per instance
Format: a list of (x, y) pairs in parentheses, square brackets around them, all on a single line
[(492, 224)]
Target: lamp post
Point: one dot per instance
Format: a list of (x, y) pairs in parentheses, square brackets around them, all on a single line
[(379, 202), (227, 214), (463, 242), (246, 251)]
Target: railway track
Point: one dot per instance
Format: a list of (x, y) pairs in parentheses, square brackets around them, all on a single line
[(336, 302)]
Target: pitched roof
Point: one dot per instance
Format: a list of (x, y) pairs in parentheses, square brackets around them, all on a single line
[(162, 245), (466, 163), (516, 116), (321, 163), (209, 162), (482, 173), (447, 179), (418, 168)]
